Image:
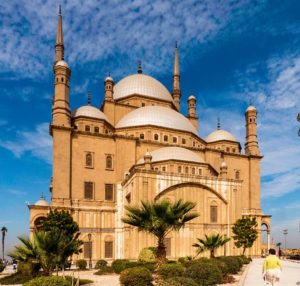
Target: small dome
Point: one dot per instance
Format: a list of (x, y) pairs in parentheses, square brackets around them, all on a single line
[(220, 135), (42, 202), (157, 116), (62, 64), (109, 78), (174, 153), (90, 111), (250, 107), (191, 97), (141, 84)]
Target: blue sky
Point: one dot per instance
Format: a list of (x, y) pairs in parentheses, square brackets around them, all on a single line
[(231, 52)]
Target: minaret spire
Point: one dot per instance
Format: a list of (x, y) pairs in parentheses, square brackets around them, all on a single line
[(176, 79), (139, 69), (89, 97), (219, 124), (59, 45)]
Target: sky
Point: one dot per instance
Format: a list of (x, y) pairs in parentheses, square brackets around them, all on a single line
[(231, 53)]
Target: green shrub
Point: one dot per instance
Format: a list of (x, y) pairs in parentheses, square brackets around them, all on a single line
[(184, 259), (246, 260), (100, 264), (204, 273), (221, 265), (81, 264), (119, 265), (149, 265), (48, 281), (232, 264), (170, 270), (2, 267), (16, 278), (136, 276), (148, 254), (105, 270), (177, 281), (81, 281), (28, 268)]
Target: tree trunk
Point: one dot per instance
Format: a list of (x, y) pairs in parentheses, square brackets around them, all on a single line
[(3, 235), (244, 250), (212, 253), (161, 252)]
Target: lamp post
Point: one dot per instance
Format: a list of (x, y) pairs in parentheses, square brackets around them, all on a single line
[(90, 251), (285, 232)]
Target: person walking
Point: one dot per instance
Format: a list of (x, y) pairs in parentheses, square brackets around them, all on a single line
[(272, 268)]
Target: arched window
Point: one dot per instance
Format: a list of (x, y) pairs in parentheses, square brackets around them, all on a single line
[(109, 162), (166, 138), (237, 175), (174, 139), (39, 222), (183, 141), (186, 170), (142, 136), (213, 212), (179, 169), (156, 137), (96, 129), (193, 171), (87, 128), (89, 160), (200, 172)]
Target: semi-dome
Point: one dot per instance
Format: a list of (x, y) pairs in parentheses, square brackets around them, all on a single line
[(174, 153), (42, 202), (90, 111), (220, 135), (62, 63), (143, 85), (157, 116)]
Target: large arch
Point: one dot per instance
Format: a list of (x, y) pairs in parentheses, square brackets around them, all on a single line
[(191, 184)]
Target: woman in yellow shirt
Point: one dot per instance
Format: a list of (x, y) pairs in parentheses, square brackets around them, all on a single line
[(272, 267)]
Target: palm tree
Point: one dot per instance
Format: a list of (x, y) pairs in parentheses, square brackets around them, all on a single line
[(159, 219), (3, 231), (210, 243), (48, 249)]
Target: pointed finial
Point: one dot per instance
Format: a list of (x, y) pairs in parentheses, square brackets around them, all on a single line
[(42, 196), (176, 44), (89, 98), (59, 10), (219, 124), (139, 70)]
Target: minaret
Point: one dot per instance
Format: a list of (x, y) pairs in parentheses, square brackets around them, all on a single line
[(251, 145), (108, 88), (59, 45), (192, 116), (61, 108), (176, 80), (61, 125)]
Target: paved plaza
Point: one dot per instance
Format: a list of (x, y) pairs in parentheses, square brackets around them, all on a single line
[(290, 275)]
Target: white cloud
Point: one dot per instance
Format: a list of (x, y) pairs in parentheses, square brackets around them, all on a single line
[(37, 142), (123, 31), (277, 99)]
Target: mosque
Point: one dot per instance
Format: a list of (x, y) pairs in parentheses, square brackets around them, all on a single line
[(136, 147)]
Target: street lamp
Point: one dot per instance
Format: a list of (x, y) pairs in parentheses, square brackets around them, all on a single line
[(285, 232), (90, 251)]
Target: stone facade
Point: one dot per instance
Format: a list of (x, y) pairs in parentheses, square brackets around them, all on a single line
[(139, 147)]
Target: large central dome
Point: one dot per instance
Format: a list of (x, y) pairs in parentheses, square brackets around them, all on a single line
[(157, 116), (143, 85)]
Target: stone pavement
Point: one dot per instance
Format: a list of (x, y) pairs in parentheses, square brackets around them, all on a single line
[(290, 275)]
